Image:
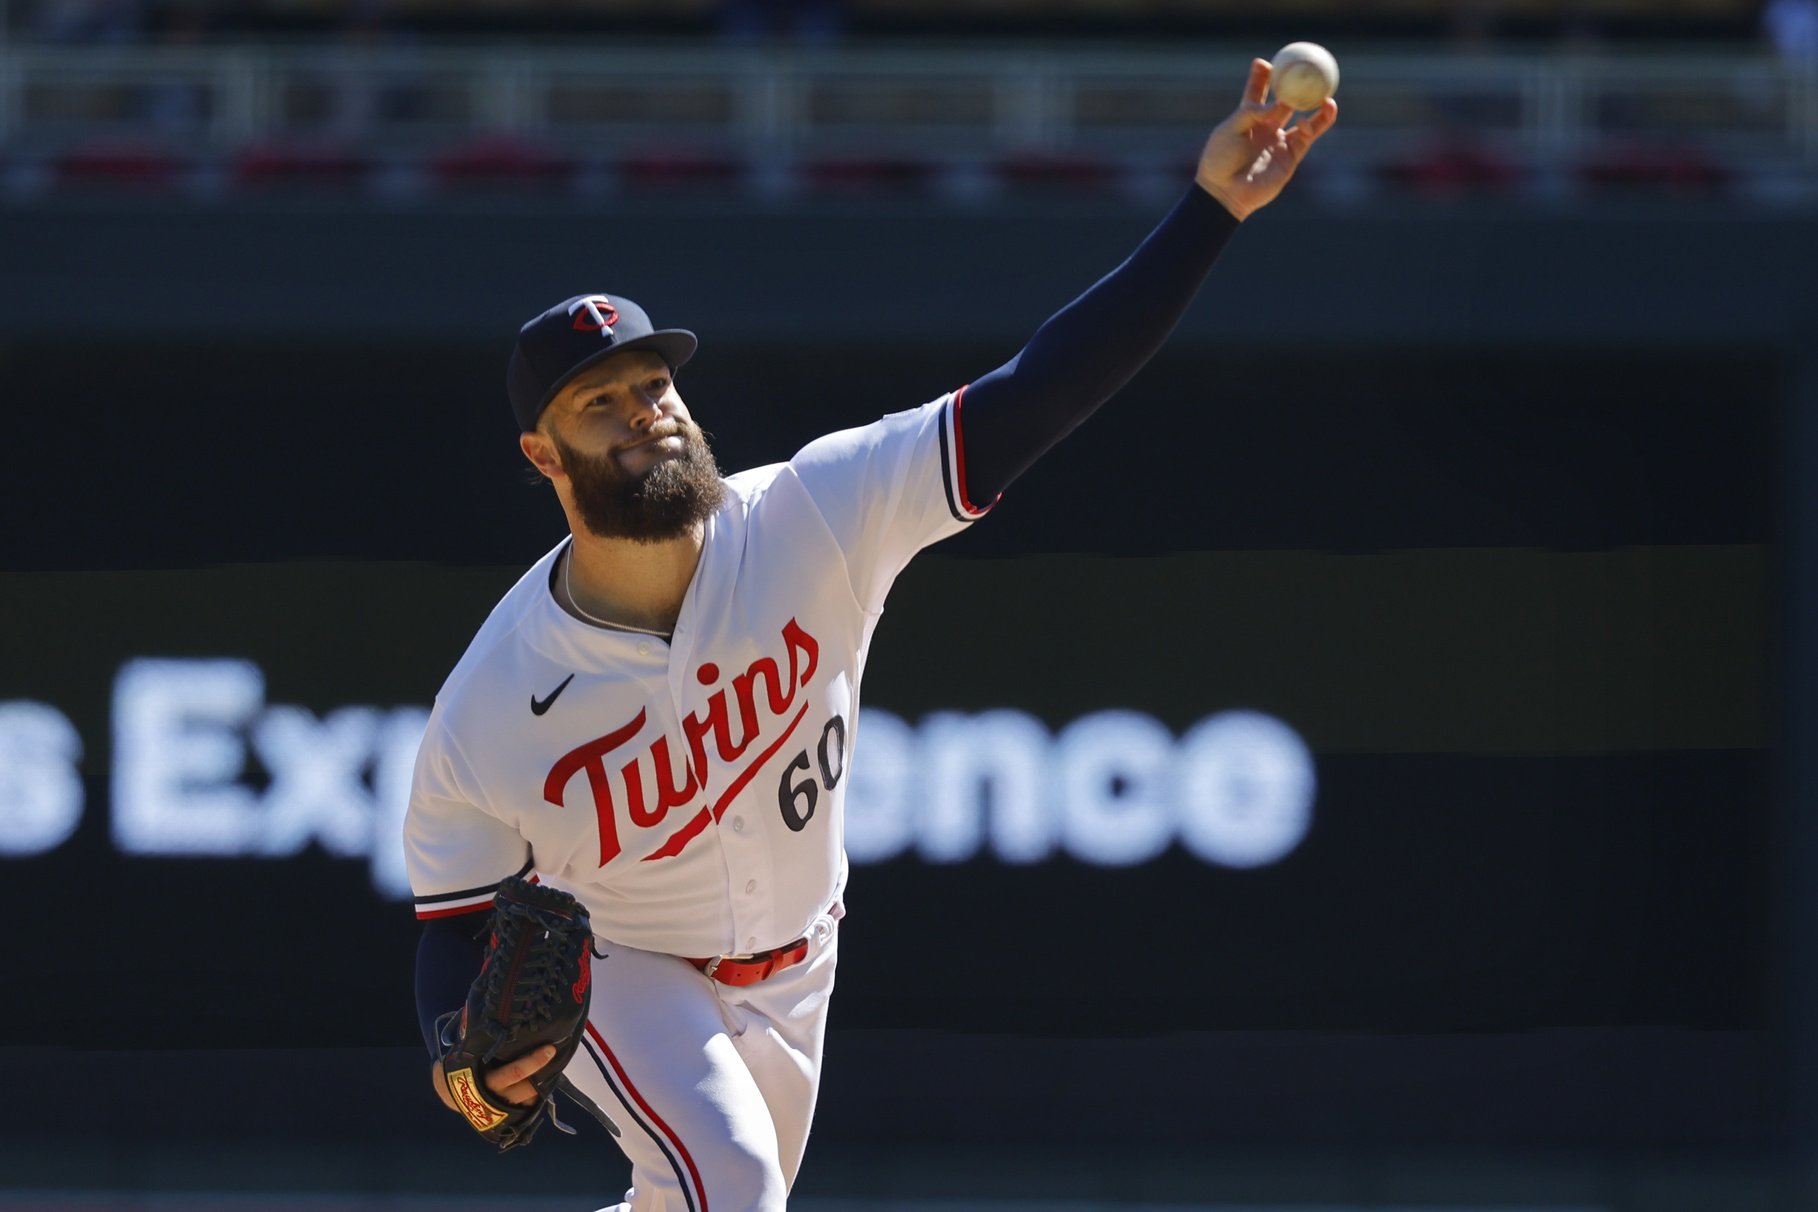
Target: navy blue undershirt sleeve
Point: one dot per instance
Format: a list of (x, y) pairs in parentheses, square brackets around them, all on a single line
[(449, 955), (1090, 348)]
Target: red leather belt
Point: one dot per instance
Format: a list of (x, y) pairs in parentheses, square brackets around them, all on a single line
[(750, 969)]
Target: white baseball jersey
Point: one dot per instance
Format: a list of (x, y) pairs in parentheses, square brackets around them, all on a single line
[(689, 791)]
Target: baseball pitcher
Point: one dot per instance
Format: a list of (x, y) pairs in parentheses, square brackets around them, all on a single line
[(625, 828)]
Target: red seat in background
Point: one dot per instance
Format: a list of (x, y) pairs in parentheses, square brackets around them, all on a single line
[(867, 176), (1047, 172), (304, 164), (1451, 167), (667, 169), (503, 160), (1671, 168), (124, 163)]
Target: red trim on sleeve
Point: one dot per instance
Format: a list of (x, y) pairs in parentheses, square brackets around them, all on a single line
[(424, 915), (471, 906), (959, 459), (959, 453)]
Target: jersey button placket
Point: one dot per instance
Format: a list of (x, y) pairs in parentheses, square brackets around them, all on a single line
[(747, 851)]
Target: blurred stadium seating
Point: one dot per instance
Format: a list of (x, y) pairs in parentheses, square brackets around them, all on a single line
[(942, 16), (955, 122)]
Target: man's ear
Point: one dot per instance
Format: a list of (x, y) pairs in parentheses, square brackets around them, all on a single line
[(541, 452)]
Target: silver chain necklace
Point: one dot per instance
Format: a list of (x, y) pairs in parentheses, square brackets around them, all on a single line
[(568, 588)]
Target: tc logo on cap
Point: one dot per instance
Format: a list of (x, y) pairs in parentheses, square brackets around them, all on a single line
[(595, 313)]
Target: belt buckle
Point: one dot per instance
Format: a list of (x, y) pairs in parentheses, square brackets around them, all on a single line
[(713, 965)]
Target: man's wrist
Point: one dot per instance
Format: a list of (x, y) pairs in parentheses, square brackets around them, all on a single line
[(1223, 198)]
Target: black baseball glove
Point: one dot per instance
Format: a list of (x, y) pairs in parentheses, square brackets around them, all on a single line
[(533, 989)]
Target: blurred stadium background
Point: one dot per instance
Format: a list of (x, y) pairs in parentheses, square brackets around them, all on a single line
[(1364, 769)]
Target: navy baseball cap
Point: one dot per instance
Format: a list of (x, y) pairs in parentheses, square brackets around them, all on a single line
[(573, 335)]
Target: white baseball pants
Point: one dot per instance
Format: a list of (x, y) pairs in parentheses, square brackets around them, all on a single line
[(712, 1086)]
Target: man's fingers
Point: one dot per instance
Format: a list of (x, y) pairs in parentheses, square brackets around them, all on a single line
[(503, 1078), (536, 1060), (521, 1095), (1303, 135), (1323, 118), (1257, 86), (1269, 116)]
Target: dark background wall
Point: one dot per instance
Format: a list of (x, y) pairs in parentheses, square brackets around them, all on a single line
[(1491, 508)]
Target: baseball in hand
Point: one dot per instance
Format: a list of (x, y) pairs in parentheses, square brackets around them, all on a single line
[(1303, 74)]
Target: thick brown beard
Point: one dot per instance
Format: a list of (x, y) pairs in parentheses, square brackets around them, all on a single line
[(664, 502)]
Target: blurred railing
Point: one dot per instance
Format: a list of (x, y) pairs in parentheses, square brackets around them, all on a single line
[(719, 115)]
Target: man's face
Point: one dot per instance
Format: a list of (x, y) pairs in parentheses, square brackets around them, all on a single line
[(637, 465)]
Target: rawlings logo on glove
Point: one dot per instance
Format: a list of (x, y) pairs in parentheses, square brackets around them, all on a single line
[(466, 1090), (533, 990)]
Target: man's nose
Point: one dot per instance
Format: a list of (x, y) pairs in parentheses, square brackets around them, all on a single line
[(646, 409)]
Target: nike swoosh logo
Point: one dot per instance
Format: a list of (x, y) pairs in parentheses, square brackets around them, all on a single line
[(539, 706)]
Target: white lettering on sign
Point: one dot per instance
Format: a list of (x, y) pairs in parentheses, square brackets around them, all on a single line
[(178, 754), (41, 796), (203, 765), (994, 757), (1246, 789), (1113, 789), (183, 733)]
